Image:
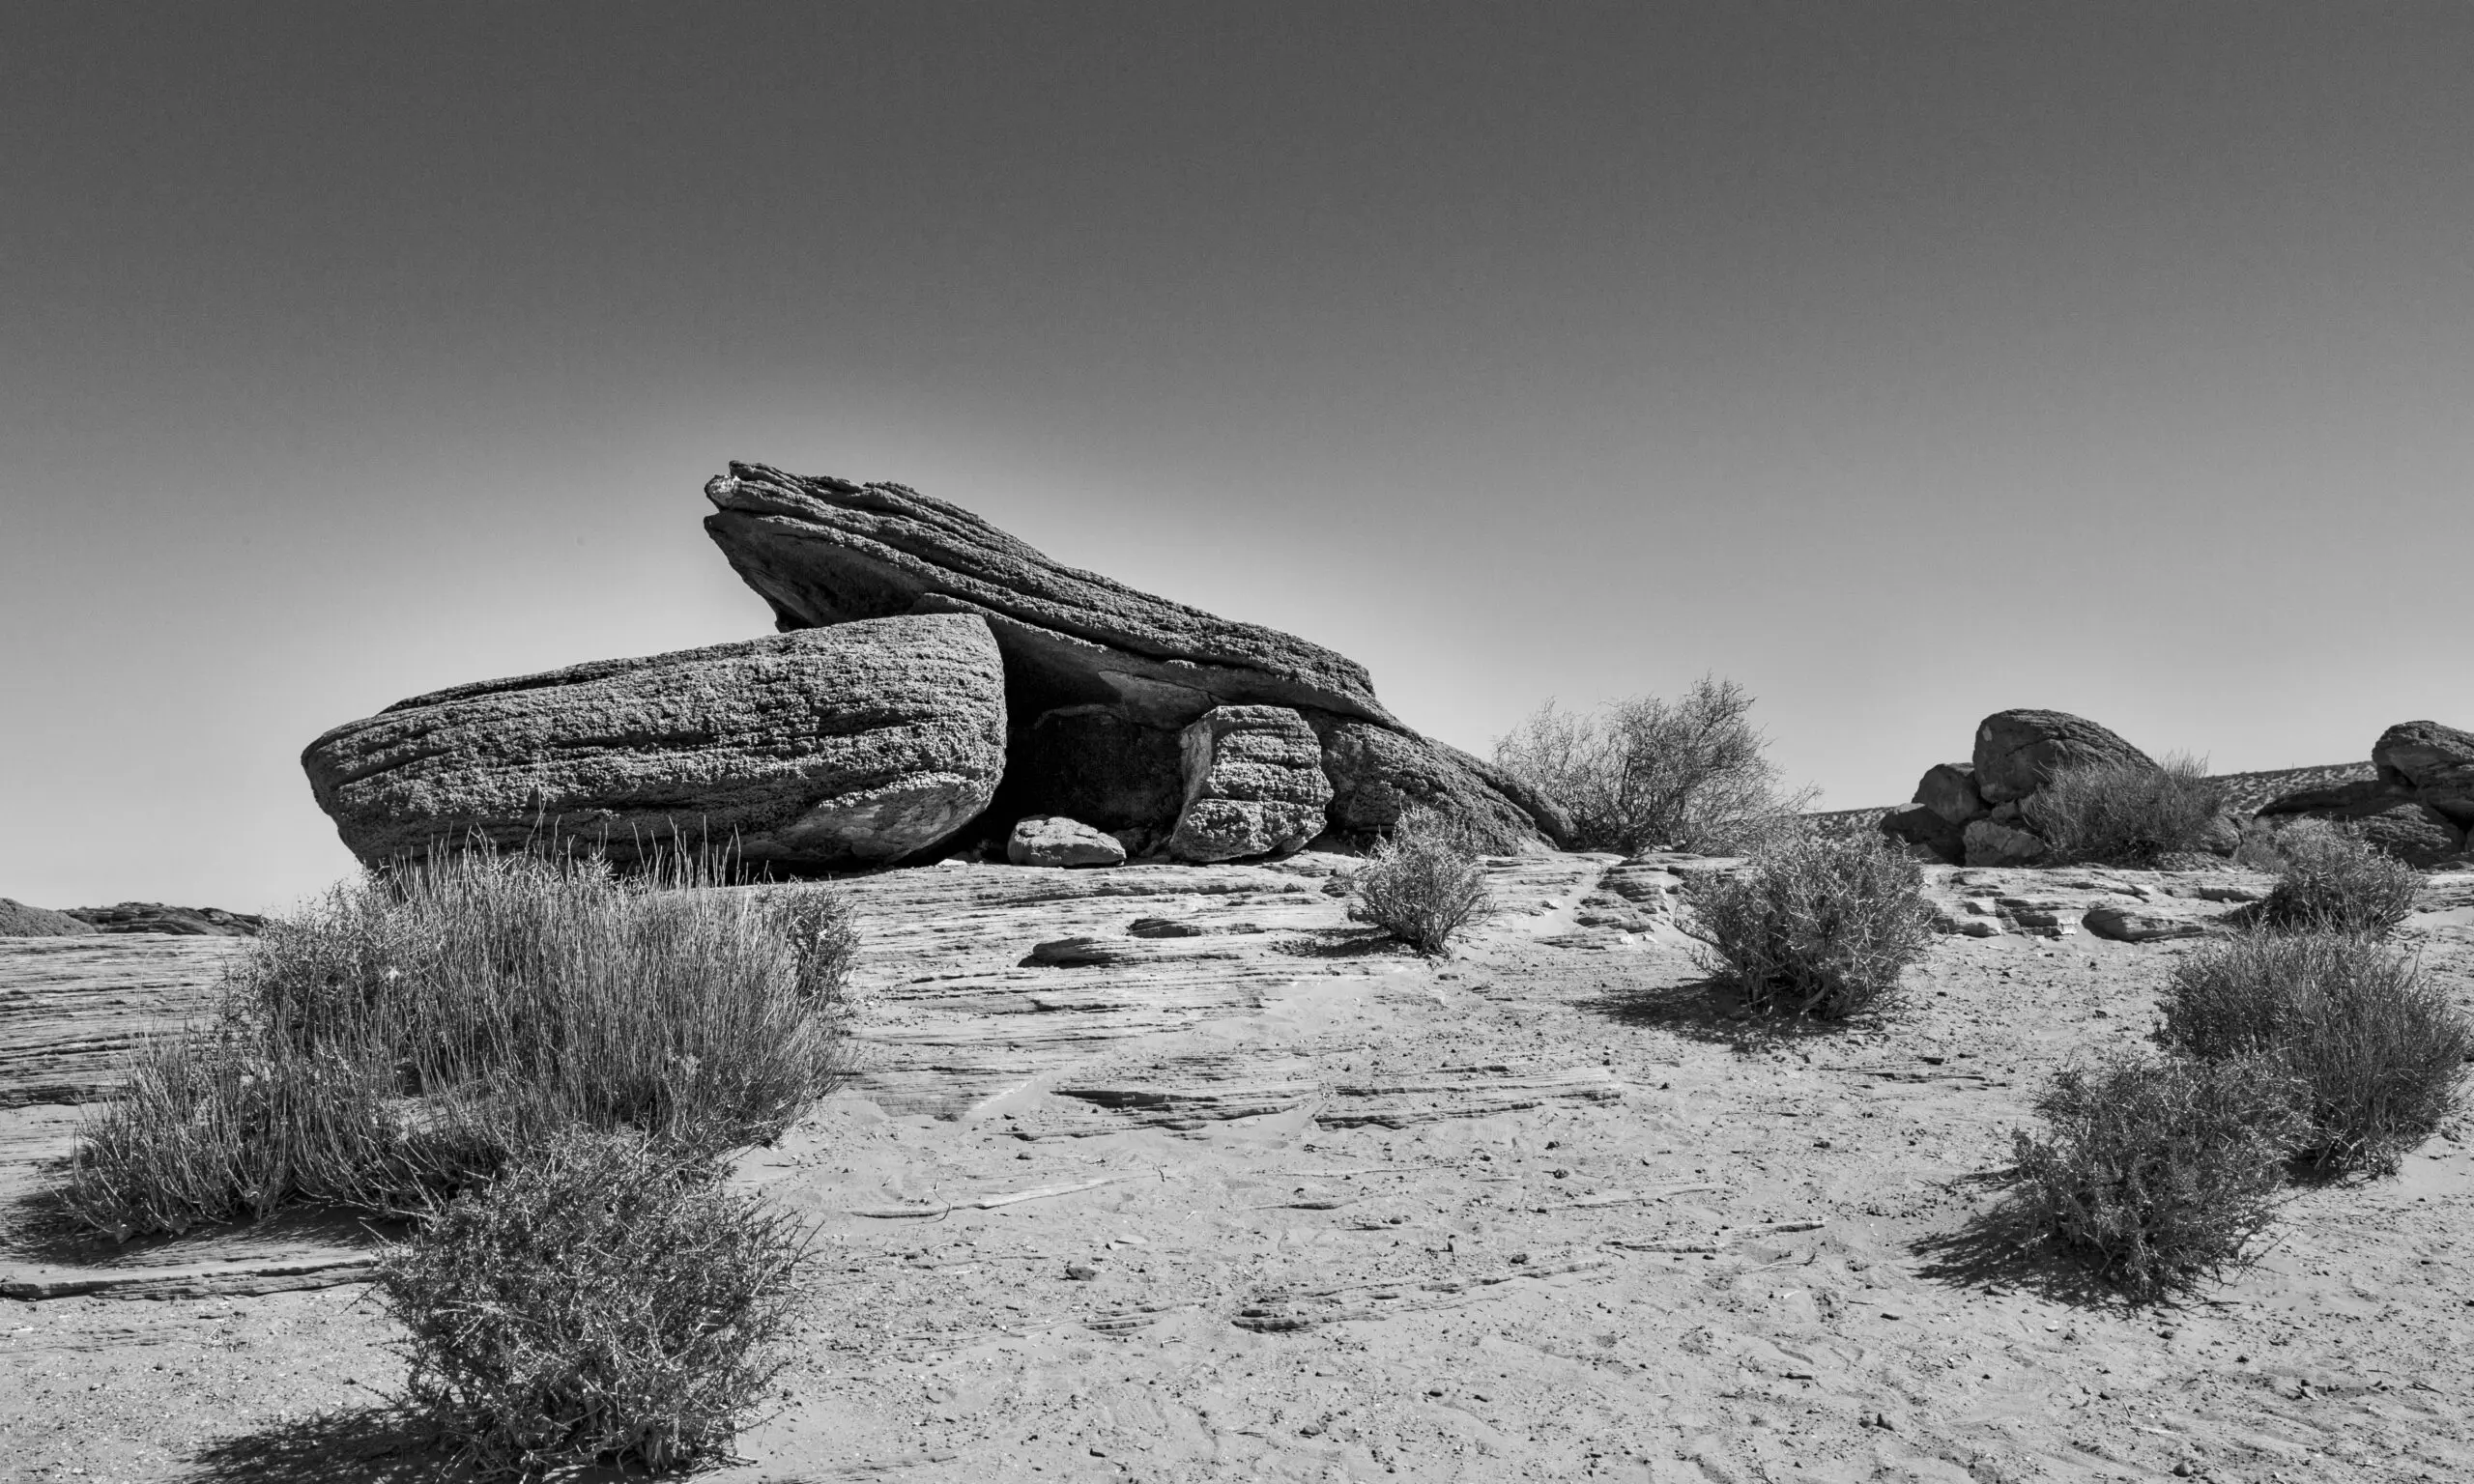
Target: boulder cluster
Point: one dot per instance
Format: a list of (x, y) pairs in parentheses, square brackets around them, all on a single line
[(937, 685), (1975, 813), (2418, 806)]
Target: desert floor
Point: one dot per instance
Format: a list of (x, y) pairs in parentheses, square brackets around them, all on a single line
[(1294, 1205)]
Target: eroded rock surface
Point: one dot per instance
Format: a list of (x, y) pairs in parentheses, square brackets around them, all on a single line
[(2435, 762), (20, 921), (865, 742), (1254, 785), (1052, 840), (1101, 677)]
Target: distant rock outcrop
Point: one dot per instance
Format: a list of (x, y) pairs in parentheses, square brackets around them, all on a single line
[(2435, 762), (861, 743), (2017, 751), (2416, 806), (183, 922), (19, 921), (1976, 813)]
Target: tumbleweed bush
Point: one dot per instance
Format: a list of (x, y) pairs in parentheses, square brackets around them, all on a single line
[(1813, 925), (1424, 884), (2159, 1171), (2377, 1050), (2332, 880), (603, 1298), (2127, 813), (410, 1030)]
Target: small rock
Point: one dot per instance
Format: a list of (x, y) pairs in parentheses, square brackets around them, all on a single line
[(1080, 1273), (2130, 924), (1052, 840)]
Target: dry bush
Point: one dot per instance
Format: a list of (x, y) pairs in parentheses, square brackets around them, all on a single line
[(407, 1033), (2331, 880), (2378, 1052), (1423, 885), (2159, 1171), (1645, 773), (1814, 925), (604, 1298), (2127, 813)]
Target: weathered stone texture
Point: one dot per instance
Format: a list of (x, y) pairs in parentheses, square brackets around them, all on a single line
[(2016, 751), (1254, 785), (830, 746)]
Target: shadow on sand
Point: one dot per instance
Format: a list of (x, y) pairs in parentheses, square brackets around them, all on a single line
[(1340, 943), (1713, 1010), (1999, 1248), (357, 1445)]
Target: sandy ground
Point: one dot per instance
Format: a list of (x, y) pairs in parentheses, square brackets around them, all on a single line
[(1701, 1252)]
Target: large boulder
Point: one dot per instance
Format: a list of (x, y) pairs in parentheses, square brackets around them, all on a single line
[(826, 748), (1923, 826), (2435, 762), (825, 551), (2389, 816), (1254, 785), (1990, 843), (2017, 751), (1949, 790)]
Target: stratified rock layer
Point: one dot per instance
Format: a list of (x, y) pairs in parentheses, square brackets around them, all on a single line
[(1254, 785), (824, 551), (860, 743), (2435, 762)]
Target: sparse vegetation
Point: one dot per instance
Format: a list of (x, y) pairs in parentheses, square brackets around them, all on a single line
[(408, 1033), (2126, 812), (2378, 1053), (1812, 924), (2331, 880), (604, 1300), (1645, 773), (1424, 884), (2159, 1171)]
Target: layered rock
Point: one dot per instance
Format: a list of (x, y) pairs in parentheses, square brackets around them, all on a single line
[(2391, 817), (1254, 785), (2435, 762), (861, 743), (184, 922), (1101, 677), (1979, 812)]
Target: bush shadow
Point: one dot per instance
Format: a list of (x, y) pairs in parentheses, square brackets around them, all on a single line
[(35, 1227), (1713, 1010), (366, 1445), (2000, 1248), (1340, 943)]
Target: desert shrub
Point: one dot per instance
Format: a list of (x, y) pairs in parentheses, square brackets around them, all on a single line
[(2331, 880), (409, 1032), (1646, 773), (1423, 884), (1813, 925), (2158, 1171), (602, 1299), (2377, 1052), (2127, 813)]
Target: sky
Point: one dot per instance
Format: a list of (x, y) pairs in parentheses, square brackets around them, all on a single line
[(1903, 363)]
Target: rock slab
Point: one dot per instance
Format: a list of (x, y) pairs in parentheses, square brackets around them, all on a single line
[(2435, 762), (824, 747), (1254, 785)]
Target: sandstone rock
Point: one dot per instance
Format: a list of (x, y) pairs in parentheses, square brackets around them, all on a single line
[(1254, 785), (1988, 843), (2017, 751), (19, 921), (1378, 773), (1948, 789), (186, 922), (1929, 830), (1052, 840), (2388, 816), (826, 748), (2436, 761), (2131, 924), (824, 551)]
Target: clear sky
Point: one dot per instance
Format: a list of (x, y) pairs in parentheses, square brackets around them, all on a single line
[(1904, 362)]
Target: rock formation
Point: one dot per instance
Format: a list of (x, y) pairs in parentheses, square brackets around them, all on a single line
[(861, 743), (1976, 813), (182, 921), (936, 681), (2416, 807), (1102, 678), (1254, 785)]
